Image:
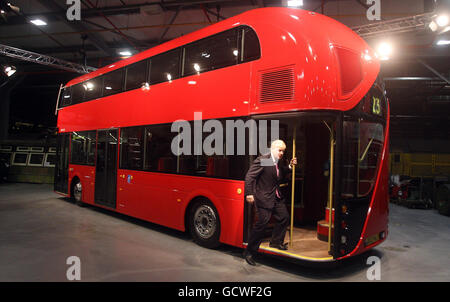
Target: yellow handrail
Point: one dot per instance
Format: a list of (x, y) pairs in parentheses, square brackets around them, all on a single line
[(330, 189), (291, 231)]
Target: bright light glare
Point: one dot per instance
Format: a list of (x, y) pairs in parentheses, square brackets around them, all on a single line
[(9, 70), (384, 50), (442, 20), (294, 3), (197, 67), (443, 42), (38, 22), (433, 26), (89, 86), (367, 57), (125, 53)]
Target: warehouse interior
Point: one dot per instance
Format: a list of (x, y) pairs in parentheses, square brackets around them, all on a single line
[(43, 46), (416, 75)]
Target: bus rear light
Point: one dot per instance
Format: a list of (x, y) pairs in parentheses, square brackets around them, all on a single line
[(350, 70), (343, 239), (344, 225), (344, 209)]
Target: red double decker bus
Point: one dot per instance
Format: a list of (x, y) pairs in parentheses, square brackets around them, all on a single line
[(309, 75)]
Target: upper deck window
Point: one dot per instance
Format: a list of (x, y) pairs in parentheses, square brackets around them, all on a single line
[(78, 93), (136, 75), (165, 67), (251, 49), (66, 97), (93, 88), (113, 82), (211, 53), (228, 48)]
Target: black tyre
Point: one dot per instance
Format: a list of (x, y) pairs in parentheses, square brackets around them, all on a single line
[(204, 224), (77, 193)]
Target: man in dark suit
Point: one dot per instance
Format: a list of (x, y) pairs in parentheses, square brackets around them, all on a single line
[(262, 187)]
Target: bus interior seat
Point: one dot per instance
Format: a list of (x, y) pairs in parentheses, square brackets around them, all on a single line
[(166, 164), (217, 166)]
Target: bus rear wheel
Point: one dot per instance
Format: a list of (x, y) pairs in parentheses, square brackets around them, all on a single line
[(204, 224)]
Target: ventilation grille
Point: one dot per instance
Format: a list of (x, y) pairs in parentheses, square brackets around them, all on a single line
[(277, 86)]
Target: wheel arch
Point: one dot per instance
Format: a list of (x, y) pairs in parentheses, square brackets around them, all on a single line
[(73, 181)]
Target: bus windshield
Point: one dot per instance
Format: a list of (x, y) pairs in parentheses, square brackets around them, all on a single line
[(363, 132)]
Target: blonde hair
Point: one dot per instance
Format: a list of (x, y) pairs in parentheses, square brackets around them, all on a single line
[(278, 143)]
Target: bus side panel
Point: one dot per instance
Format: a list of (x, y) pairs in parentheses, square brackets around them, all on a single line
[(146, 195), (86, 174), (163, 199)]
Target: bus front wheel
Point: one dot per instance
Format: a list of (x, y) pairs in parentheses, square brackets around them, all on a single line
[(204, 224)]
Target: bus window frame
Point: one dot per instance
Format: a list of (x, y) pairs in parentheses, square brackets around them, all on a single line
[(240, 45), (146, 77)]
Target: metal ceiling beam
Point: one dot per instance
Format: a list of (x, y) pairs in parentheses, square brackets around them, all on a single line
[(216, 14), (85, 13), (129, 9), (168, 27), (78, 26), (111, 23), (105, 30), (37, 58), (394, 26), (434, 71)]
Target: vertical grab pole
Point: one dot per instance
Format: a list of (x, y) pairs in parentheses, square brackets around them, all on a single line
[(291, 230), (330, 189)]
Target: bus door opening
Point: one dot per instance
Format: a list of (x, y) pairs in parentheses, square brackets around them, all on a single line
[(61, 182), (308, 188), (106, 168)]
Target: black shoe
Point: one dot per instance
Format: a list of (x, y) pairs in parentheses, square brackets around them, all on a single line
[(249, 258), (282, 246)]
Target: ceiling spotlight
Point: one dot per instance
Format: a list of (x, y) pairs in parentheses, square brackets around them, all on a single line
[(125, 53), (442, 20), (38, 22), (433, 26), (294, 3), (443, 42), (9, 70), (384, 50)]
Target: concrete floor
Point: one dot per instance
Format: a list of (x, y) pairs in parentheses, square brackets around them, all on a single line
[(39, 230)]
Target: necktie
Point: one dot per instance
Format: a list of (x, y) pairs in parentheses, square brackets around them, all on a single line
[(278, 174)]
